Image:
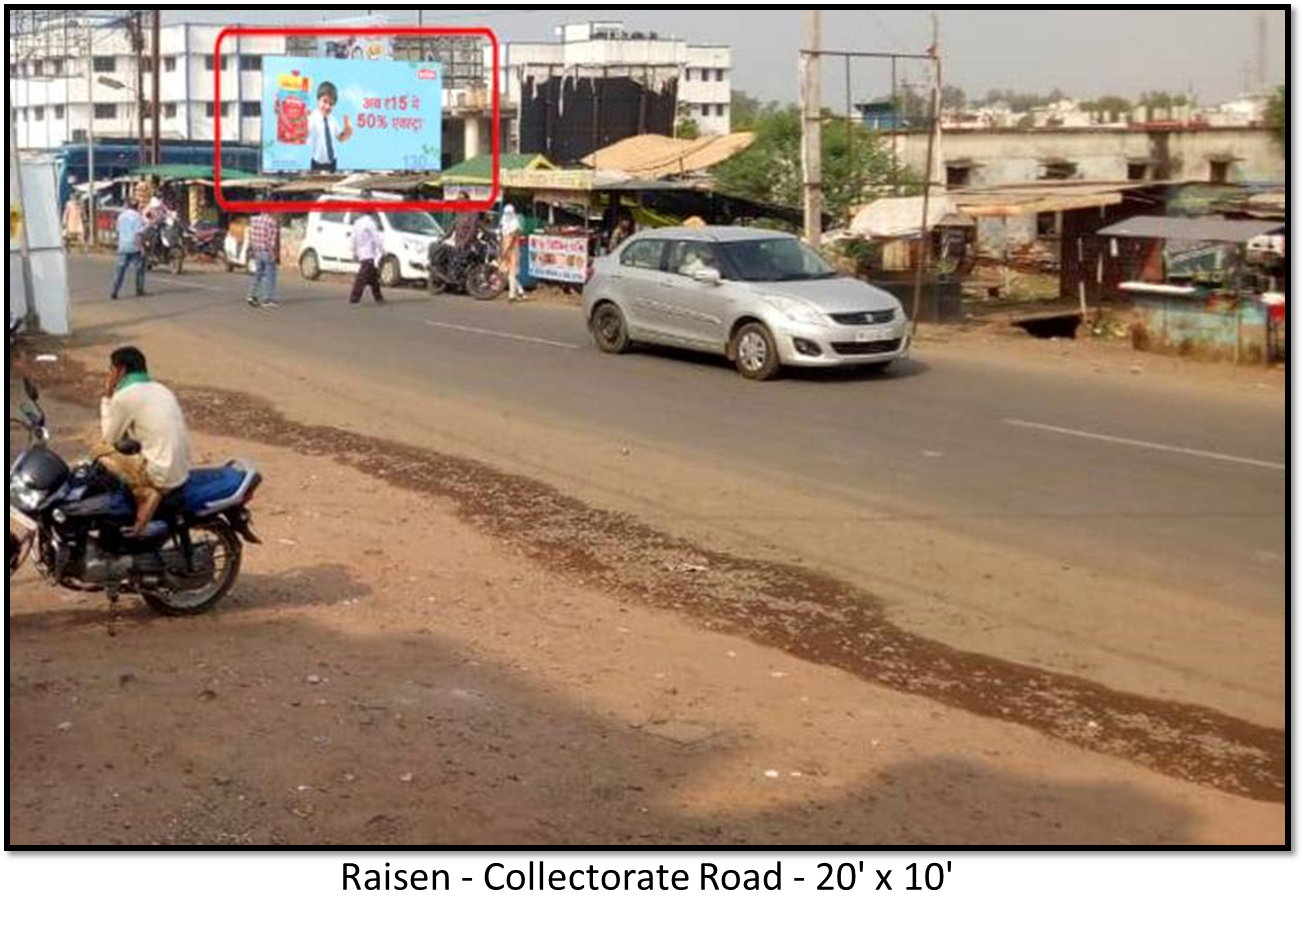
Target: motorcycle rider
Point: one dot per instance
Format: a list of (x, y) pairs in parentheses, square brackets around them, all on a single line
[(465, 230), (137, 408)]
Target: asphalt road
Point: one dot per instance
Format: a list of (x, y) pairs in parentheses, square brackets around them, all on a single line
[(1177, 485)]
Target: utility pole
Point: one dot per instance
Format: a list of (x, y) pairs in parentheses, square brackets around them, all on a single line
[(930, 176), (812, 166), (138, 39), (90, 236), (155, 106)]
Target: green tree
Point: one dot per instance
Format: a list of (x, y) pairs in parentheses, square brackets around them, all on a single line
[(687, 126), (1276, 116), (953, 99), (856, 162), (1110, 108), (746, 109)]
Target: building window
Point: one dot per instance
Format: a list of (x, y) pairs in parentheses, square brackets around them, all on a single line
[(719, 75), (1220, 172), (706, 110), (227, 109), (1059, 170), (60, 110), (38, 113), (208, 62), (209, 109), (719, 109), (251, 110), (958, 176), (38, 68), (1138, 171), (1048, 225), (170, 63), (56, 67), (104, 64), (251, 62), (79, 136), (169, 110), (106, 110)]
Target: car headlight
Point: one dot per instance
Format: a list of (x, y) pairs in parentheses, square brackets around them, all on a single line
[(795, 310), (23, 496)]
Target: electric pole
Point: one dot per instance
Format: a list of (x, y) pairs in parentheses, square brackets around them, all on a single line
[(811, 135), (155, 106)]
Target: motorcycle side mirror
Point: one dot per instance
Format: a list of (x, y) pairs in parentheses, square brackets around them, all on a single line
[(127, 447), (30, 388)]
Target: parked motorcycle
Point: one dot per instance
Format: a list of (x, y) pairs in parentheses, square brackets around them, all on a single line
[(164, 244), (476, 271), (77, 523), (203, 239)]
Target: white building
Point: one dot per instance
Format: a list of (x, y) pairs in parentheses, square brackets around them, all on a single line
[(704, 73), (58, 77)]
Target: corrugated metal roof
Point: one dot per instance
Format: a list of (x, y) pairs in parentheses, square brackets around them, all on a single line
[(479, 171), (1228, 231), (657, 156)]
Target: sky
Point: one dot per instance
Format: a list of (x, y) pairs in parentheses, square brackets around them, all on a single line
[(1082, 52)]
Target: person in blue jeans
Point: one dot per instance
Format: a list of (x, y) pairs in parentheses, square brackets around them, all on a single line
[(265, 245), (131, 226)]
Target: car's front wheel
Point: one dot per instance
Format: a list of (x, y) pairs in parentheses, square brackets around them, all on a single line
[(754, 352)]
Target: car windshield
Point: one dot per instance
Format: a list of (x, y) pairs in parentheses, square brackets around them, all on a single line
[(776, 260), (415, 223)]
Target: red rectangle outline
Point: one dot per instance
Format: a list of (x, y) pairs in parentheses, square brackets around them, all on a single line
[(435, 205)]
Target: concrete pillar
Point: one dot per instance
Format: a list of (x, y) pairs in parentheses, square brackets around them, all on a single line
[(472, 137)]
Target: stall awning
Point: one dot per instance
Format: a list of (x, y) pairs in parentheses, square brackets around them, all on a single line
[(1227, 231)]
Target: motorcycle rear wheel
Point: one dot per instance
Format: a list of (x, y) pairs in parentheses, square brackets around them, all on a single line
[(228, 551)]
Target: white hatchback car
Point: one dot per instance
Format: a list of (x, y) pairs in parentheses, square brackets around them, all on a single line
[(328, 246), (762, 299)]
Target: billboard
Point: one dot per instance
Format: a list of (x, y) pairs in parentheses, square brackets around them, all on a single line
[(323, 115)]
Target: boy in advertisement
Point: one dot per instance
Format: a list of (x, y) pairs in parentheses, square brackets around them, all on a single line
[(324, 130)]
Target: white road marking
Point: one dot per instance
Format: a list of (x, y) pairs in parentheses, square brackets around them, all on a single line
[(155, 278), (503, 334), (1147, 445)]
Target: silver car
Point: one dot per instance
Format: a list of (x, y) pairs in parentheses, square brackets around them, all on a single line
[(762, 299)]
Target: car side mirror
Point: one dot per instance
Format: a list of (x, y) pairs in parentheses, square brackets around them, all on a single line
[(127, 447), (30, 388), (709, 276)]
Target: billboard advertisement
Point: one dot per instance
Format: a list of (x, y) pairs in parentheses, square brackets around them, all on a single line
[(323, 115)]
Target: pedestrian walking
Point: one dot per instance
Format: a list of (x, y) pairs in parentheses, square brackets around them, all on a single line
[(131, 228), (510, 231), (368, 250)]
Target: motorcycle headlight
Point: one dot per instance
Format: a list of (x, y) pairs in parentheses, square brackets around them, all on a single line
[(23, 496), (795, 310)]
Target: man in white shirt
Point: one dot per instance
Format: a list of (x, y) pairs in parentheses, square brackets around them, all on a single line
[(369, 251), (324, 130), (134, 407)]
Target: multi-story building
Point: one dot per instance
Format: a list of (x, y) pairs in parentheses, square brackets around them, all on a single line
[(74, 75), (653, 83)]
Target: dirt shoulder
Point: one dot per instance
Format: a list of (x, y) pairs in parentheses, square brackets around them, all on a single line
[(394, 670)]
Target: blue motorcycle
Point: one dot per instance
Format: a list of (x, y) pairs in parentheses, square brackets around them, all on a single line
[(77, 524)]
